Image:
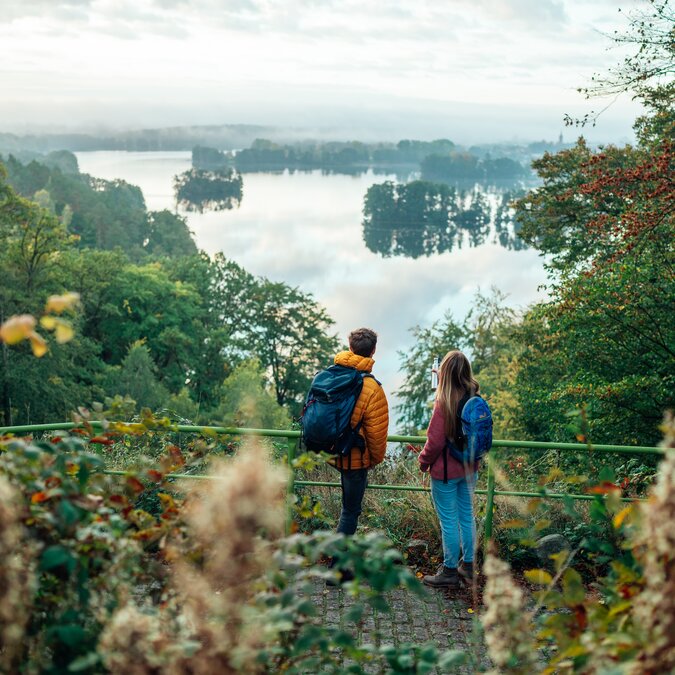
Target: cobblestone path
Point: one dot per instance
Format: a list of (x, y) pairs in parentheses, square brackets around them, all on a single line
[(445, 618)]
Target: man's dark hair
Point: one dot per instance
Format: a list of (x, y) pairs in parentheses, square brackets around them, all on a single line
[(362, 341)]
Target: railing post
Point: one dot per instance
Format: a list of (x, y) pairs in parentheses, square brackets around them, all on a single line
[(489, 506), (291, 444)]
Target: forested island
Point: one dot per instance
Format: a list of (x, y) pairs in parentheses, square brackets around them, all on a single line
[(439, 160), (208, 190), (421, 218)]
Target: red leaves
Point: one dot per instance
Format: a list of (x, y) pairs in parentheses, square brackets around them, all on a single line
[(101, 440), (119, 500), (581, 617), (631, 190), (173, 460), (135, 484), (603, 488), (176, 455)]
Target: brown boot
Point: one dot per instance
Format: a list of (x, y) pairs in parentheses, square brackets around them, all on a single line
[(446, 577), (466, 572)]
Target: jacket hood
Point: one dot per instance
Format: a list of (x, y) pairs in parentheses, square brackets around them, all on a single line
[(348, 358)]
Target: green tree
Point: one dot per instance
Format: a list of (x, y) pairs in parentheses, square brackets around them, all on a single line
[(605, 219), (168, 235), (246, 401), (137, 378), (417, 395), (31, 240), (487, 336), (287, 330)]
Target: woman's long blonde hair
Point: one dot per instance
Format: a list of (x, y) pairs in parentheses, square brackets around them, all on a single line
[(455, 378)]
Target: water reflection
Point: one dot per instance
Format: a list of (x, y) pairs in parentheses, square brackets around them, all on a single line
[(421, 218)]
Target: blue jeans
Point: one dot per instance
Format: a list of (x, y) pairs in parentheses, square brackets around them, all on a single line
[(353, 483), (453, 502)]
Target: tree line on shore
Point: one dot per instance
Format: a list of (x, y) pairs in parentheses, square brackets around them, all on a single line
[(438, 160)]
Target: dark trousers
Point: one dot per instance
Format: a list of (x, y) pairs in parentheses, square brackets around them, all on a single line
[(353, 483)]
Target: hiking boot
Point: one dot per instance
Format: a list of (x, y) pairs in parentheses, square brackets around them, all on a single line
[(466, 572), (446, 577)]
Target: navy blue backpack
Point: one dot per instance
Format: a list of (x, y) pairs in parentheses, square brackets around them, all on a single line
[(476, 435), (326, 417)]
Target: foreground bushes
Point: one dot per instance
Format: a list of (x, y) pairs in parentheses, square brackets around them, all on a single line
[(140, 573), (198, 581)]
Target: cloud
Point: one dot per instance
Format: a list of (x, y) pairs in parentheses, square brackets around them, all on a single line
[(313, 19), (60, 10), (157, 62)]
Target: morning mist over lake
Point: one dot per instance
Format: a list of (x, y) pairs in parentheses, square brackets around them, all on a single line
[(495, 78)]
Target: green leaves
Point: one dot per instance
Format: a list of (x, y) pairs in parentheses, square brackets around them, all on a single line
[(573, 588), (54, 557)]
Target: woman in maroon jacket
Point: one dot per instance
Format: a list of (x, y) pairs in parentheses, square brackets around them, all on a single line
[(452, 483)]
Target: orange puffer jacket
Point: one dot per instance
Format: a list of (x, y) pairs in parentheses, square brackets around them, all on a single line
[(373, 409)]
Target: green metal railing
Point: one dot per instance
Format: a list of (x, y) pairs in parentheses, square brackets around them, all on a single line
[(292, 441)]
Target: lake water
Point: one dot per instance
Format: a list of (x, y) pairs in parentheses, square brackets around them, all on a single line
[(305, 229)]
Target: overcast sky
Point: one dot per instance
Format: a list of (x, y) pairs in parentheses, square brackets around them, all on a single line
[(471, 70)]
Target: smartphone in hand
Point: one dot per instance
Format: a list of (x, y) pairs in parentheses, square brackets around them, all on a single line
[(434, 373)]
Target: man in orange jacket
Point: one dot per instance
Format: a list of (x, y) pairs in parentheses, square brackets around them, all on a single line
[(372, 410)]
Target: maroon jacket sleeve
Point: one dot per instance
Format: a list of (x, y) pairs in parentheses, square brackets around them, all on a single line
[(435, 439)]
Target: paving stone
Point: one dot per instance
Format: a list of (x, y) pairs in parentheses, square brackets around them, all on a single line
[(437, 617)]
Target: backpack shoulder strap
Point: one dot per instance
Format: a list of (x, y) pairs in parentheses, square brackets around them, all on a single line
[(372, 377)]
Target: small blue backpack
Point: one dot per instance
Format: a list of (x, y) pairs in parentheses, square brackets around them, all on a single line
[(476, 437)]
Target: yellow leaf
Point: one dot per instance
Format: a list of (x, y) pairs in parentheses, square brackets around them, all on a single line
[(17, 328), (38, 344), (576, 480), (574, 651), (618, 609), (533, 505), (541, 524), (48, 322), (554, 474), (621, 516), (559, 559), (64, 332), (60, 303), (541, 577)]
